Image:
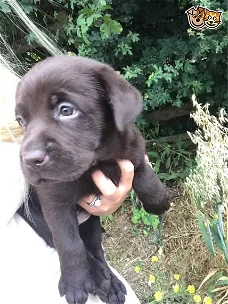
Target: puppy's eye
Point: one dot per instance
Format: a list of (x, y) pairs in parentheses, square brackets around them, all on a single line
[(20, 120), (66, 110)]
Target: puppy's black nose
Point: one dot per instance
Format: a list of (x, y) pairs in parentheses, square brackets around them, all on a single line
[(35, 159)]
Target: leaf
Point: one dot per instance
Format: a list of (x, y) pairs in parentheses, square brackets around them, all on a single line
[(166, 176), (222, 281), (110, 27), (28, 8), (210, 274), (224, 245), (153, 154), (206, 237), (216, 236), (31, 38), (220, 218), (154, 221), (5, 7), (102, 2), (89, 20), (167, 163)]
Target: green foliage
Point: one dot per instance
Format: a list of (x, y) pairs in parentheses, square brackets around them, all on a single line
[(169, 161), (106, 220), (144, 222), (149, 42), (169, 288), (141, 216), (207, 184), (4, 7)]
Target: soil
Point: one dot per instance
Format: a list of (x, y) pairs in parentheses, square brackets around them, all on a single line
[(183, 251)]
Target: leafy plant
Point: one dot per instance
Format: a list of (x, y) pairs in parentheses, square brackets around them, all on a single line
[(152, 45), (140, 218), (208, 182), (168, 288), (106, 220), (171, 162), (217, 282)]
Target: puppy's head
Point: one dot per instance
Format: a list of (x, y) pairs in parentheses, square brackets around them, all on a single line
[(65, 105)]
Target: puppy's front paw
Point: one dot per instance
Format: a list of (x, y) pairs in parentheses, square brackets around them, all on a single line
[(156, 203), (108, 287), (117, 292), (76, 286), (101, 274)]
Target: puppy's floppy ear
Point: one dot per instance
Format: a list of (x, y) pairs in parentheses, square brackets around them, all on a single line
[(125, 100)]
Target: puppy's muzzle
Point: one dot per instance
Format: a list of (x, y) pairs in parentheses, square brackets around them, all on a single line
[(35, 159)]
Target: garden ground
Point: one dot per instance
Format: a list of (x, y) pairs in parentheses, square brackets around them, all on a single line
[(183, 253)]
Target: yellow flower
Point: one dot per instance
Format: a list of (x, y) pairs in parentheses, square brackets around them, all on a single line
[(158, 295), (154, 258), (137, 269), (191, 289), (216, 216), (207, 300), (176, 277), (197, 298), (176, 288), (152, 278)]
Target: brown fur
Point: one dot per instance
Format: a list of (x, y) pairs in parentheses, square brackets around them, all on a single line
[(59, 152)]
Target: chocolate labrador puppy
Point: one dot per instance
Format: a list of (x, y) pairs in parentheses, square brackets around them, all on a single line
[(77, 115)]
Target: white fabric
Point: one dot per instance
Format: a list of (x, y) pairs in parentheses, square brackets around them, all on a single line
[(23, 281)]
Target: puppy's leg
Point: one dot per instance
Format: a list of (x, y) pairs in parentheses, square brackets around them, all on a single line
[(108, 287), (61, 216), (150, 190)]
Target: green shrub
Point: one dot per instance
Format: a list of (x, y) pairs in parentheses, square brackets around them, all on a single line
[(149, 42)]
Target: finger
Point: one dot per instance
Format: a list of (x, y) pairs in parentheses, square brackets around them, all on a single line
[(127, 173), (90, 209), (104, 184), (87, 199), (148, 161), (103, 209)]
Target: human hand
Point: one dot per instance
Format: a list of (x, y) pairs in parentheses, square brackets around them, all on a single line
[(112, 197), (147, 161)]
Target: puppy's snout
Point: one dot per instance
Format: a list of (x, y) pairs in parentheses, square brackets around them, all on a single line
[(35, 159)]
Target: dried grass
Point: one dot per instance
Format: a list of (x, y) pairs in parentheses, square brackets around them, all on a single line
[(184, 250)]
